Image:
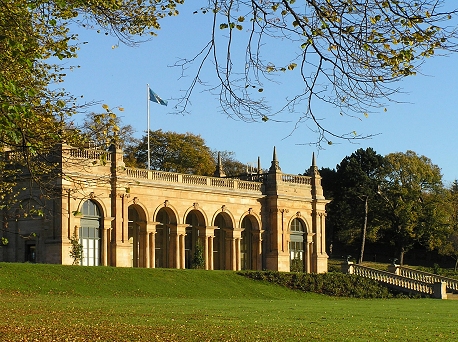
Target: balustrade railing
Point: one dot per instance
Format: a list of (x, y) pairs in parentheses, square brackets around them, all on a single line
[(250, 186), (254, 183), (89, 154), (305, 180), (392, 279), (452, 284), (215, 182)]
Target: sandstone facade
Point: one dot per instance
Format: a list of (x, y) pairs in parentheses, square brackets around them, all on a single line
[(130, 217)]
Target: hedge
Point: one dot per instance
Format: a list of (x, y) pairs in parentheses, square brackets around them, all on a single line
[(332, 284)]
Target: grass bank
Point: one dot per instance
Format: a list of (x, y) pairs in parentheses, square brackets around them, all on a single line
[(57, 303)]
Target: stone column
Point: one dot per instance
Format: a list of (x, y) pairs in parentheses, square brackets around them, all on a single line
[(205, 242), (152, 249), (308, 252), (322, 234), (238, 255), (106, 241), (208, 235), (210, 252), (146, 253), (233, 255), (174, 248), (259, 250), (182, 251)]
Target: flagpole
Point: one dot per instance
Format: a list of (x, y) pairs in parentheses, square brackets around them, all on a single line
[(147, 120)]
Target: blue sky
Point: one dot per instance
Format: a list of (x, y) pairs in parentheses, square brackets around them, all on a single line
[(424, 120)]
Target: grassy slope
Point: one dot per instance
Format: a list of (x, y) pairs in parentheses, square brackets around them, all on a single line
[(49, 302)]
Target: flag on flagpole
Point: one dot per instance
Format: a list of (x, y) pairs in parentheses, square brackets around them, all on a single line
[(155, 98)]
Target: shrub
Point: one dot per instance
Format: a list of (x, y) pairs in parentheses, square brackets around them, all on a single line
[(332, 284)]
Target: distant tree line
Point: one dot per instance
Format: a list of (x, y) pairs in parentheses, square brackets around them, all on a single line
[(390, 206)]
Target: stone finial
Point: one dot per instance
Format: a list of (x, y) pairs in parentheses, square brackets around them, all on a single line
[(219, 172), (275, 166), (313, 169)]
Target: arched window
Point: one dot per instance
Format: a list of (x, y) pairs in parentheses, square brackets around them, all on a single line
[(246, 244), (219, 243), (191, 239), (162, 238), (90, 233), (134, 235), (296, 246)]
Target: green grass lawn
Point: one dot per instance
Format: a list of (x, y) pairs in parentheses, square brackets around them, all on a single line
[(72, 303)]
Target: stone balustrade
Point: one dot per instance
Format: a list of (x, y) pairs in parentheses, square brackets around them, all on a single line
[(414, 285), (296, 179), (89, 154), (254, 184), (213, 182), (451, 284)]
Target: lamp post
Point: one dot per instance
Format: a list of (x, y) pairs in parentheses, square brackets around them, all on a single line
[(363, 235)]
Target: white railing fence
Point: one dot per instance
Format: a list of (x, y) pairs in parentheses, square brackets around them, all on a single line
[(406, 279)]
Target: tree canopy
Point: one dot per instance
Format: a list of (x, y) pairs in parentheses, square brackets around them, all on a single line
[(173, 152), (397, 202), (414, 199), (449, 245), (33, 35), (354, 209), (346, 53)]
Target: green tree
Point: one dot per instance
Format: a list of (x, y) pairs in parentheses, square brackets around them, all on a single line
[(449, 245), (415, 201), (345, 53), (103, 129), (32, 33), (353, 210), (231, 166), (173, 152), (198, 260), (76, 249)]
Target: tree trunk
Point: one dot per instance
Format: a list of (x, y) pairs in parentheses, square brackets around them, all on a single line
[(401, 256), (363, 234), (456, 263)]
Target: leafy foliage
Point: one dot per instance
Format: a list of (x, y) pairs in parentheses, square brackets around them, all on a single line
[(345, 53), (198, 260), (402, 198), (449, 245), (231, 166), (353, 212), (76, 249), (33, 110), (173, 152), (415, 201), (332, 284), (101, 130)]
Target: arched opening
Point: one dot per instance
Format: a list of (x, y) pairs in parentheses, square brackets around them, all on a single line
[(246, 244), (221, 249), (296, 246), (162, 238), (28, 220), (134, 235), (89, 233), (193, 246)]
